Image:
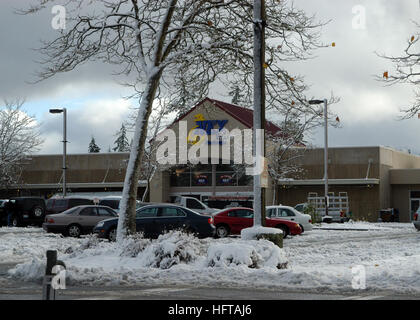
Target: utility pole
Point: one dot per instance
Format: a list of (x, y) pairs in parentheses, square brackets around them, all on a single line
[(259, 108)]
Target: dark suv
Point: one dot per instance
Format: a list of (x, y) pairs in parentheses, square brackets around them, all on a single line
[(60, 204), (25, 211)]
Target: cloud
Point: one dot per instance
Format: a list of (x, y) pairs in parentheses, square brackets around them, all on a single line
[(367, 109), (99, 118)]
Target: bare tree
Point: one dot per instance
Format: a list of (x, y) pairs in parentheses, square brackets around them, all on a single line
[(19, 137), (406, 71), (173, 50)]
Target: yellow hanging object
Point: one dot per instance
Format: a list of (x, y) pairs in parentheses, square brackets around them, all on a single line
[(265, 65), (386, 76), (333, 44)]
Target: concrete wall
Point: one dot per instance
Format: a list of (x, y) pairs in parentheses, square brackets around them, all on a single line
[(82, 168), (391, 161), (343, 163)]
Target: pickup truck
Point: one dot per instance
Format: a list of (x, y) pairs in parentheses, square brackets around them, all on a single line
[(195, 205)]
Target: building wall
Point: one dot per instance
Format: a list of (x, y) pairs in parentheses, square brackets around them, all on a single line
[(363, 201), (392, 163), (81, 168), (343, 163)]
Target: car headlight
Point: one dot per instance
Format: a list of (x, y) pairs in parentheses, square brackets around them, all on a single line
[(100, 224)]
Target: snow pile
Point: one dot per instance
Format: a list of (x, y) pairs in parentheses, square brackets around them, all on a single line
[(143, 260), (251, 233), (168, 250), (253, 254), (33, 270)]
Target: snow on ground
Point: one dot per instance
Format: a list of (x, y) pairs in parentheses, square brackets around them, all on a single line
[(318, 260)]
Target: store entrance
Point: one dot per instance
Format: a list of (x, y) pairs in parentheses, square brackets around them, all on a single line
[(414, 205)]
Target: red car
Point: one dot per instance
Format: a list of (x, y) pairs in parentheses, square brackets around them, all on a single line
[(233, 220)]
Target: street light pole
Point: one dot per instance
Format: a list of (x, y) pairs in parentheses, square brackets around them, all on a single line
[(64, 112), (325, 102), (64, 150), (326, 156)]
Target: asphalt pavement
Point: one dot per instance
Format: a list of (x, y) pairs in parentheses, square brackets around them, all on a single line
[(11, 289)]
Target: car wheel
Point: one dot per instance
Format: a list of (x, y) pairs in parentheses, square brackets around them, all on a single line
[(38, 212), (284, 229), (15, 222), (222, 231), (112, 235), (74, 231)]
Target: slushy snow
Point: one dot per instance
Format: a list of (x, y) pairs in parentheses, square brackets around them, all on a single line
[(318, 260)]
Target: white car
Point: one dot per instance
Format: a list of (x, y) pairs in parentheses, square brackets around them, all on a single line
[(289, 213)]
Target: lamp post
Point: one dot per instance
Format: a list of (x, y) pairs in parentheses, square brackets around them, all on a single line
[(259, 15), (325, 102), (64, 112)]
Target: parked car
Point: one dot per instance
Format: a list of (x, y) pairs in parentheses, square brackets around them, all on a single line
[(61, 204), (77, 220), (155, 219), (233, 220), (194, 204), (25, 211), (3, 214), (289, 213), (114, 202), (416, 219)]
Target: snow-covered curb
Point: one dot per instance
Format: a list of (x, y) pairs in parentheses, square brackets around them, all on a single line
[(252, 233)]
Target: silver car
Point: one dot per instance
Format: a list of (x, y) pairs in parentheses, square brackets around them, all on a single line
[(77, 220)]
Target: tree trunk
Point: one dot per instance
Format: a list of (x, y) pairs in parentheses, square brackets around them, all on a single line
[(127, 215)]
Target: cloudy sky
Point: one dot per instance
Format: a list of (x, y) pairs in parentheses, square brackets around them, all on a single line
[(96, 106)]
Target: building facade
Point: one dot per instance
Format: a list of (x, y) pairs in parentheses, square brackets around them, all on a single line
[(374, 178)]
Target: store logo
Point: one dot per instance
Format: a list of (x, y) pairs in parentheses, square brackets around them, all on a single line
[(201, 124)]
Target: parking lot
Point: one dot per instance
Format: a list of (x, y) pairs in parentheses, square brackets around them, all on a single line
[(320, 263)]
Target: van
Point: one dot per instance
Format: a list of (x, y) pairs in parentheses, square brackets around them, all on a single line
[(60, 204)]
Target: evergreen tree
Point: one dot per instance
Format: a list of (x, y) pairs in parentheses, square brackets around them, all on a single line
[(93, 147), (121, 144)]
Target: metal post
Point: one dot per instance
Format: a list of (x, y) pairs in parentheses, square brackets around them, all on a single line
[(259, 104), (64, 150), (47, 292), (326, 155)]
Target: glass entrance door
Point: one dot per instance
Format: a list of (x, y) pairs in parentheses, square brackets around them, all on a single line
[(414, 205)]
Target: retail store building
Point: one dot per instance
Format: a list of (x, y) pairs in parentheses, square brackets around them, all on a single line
[(374, 178)]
